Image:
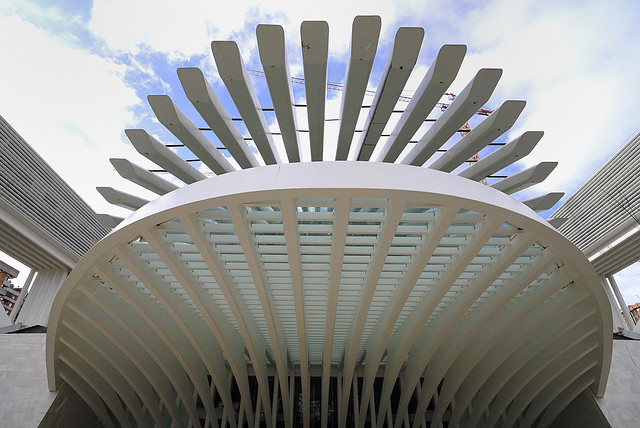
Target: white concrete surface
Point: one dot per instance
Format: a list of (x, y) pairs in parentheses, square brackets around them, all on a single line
[(24, 394), (621, 402)]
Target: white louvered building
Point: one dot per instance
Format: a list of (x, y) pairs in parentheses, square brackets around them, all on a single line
[(603, 220), (383, 285), (44, 224)]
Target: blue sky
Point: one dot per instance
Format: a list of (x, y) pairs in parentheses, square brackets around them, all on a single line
[(75, 74)]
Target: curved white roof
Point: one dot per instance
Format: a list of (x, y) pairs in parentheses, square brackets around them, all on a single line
[(342, 292)]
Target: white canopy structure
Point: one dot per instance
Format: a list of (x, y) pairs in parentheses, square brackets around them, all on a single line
[(343, 292)]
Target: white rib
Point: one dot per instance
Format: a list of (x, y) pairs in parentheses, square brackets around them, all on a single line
[(525, 178), (155, 151), (224, 333), (564, 399), (376, 345), (465, 361), (552, 380), (181, 126), (99, 385), (403, 339), (545, 344), (402, 59), (544, 202), (105, 371), (104, 347), (340, 224), (472, 97), (136, 352), (178, 340), (276, 71), (437, 79), (290, 223), (254, 342), (384, 240), (236, 79), (364, 43), (121, 199), (108, 220), (266, 300), (503, 157), (206, 102), (315, 49), (454, 331), (488, 130), (88, 395), (142, 177), (529, 371)]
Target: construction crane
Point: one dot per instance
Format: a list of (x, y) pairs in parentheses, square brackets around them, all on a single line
[(340, 87)]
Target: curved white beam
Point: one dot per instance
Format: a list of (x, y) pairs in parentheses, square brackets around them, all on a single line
[(271, 316), (291, 233), (156, 152), (159, 345), (136, 352), (88, 395), (354, 336), (553, 379), (141, 176), (404, 338), (206, 102), (224, 333), (498, 122), (364, 44), (340, 225), (402, 59), (98, 384), (315, 49), (276, 70), (186, 343), (486, 376), (564, 399), (254, 342), (472, 97), (376, 345), (465, 361), (108, 374), (102, 346), (434, 359), (235, 77), (181, 126), (534, 376)]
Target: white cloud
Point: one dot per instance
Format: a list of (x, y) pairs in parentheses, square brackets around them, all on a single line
[(576, 67), (69, 105)]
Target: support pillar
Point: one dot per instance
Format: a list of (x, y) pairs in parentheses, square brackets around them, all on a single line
[(625, 309), (23, 293), (618, 321)]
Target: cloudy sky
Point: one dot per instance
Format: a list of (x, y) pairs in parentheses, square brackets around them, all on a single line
[(76, 74)]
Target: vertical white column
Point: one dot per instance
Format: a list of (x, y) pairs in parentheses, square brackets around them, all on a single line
[(618, 321), (23, 292), (623, 305)]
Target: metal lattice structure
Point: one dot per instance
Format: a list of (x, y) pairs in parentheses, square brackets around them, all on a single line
[(332, 293)]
